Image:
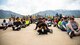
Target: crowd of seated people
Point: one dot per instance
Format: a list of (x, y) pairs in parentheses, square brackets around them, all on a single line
[(68, 24), (15, 23)]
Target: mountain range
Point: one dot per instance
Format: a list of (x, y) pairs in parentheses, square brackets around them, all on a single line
[(75, 13), (8, 14)]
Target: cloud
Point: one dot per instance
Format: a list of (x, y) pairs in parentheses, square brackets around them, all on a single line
[(73, 5), (32, 6)]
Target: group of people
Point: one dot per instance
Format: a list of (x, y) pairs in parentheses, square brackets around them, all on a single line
[(67, 24), (64, 23), (15, 23)]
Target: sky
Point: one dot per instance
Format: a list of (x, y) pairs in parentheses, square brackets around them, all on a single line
[(28, 7)]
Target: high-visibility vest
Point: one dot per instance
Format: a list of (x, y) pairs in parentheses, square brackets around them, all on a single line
[(27, 21)]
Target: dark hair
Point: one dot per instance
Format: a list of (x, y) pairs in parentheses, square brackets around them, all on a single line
[(4, 20), (61, 19), (71, 18), (65, 18), (43, 18), (17, 18)]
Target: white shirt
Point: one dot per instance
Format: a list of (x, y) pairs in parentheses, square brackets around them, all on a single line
[(10, 23), (4, 24)]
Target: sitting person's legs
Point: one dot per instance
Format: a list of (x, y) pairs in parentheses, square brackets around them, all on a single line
[(1, 27), (77, 32), (40, 31), (63, 29), (23, 25), (16, 28), (10, 25)]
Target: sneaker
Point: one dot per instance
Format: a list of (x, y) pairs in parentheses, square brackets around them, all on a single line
[(51, 31), (71, 34)]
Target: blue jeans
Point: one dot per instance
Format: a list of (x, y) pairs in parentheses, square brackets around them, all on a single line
[(62, 28), (68, 31)]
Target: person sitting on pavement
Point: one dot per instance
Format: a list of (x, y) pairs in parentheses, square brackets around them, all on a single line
[(73, 28), (4, 25), (39, 21), (16, 25), (48, 22), (43, 29), (10, 23), (55, 22), (60, 24), (23, 23), (64, 22)]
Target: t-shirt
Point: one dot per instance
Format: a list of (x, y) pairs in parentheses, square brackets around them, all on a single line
[(60, 22), (74, 25), (64, 23), (17, 23), (4, 24), (55, 21), (10, 23)]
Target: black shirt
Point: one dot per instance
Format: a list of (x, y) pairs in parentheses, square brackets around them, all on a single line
[(17, 23)]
